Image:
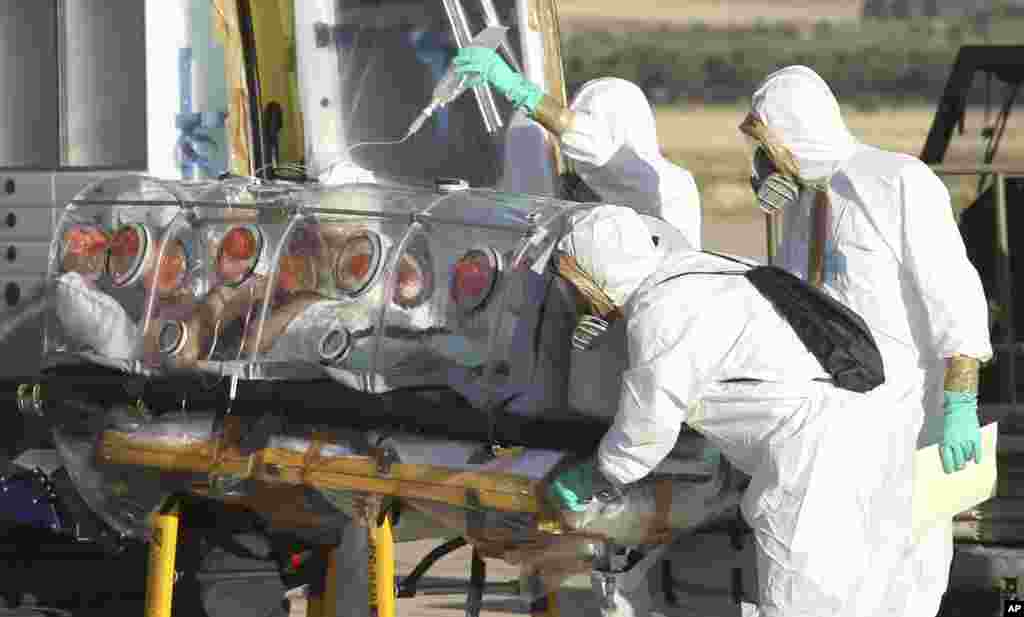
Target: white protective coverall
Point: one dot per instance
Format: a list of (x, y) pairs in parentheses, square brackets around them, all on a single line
[(895, 256), (829, 488), (614, 143)]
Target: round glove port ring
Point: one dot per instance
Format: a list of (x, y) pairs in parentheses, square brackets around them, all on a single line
[(474, 277), (129, 248), (334, 346), (249, 240), (172, 338)]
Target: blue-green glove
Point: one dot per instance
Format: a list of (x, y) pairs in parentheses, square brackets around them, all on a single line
[(961, 432), (573, 488), (485, 65), (711, 455)]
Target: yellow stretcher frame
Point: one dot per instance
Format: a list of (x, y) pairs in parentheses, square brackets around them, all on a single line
[(357, 473), (272, 466), (161, 575)]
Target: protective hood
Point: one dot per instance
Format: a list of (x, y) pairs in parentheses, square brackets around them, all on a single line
[(800, 110), (615, 147), (613, 246)]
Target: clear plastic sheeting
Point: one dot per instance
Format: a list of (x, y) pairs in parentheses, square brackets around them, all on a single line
[(328, 294), (125, 497), (414, 287), (147, 272), (353, 56), (378, 287), (495, 500), (202, 325), (324, 304), (104, 263)]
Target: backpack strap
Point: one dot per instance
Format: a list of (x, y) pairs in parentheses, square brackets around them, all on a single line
[(726, 257)]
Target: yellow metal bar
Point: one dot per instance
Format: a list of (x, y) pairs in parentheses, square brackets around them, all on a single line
[(382, 570), (498, 491), (160, 575), (314, 606), (329, 601), (546, 606)]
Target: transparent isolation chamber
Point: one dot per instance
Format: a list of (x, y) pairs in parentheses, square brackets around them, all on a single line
[(377, 287)]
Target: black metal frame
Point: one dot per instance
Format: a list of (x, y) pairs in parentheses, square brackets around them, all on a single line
[(1004, 61), (252, 82), (430, 411)]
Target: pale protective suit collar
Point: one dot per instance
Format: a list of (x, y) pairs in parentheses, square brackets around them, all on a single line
[(800, 110), (615, 148), (614, 247)]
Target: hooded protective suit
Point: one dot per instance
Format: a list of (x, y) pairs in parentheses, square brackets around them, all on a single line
[(614, 144), (829, 493), (894, 255)]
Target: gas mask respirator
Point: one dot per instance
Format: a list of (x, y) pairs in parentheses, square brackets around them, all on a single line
[(774, 190), (588, 329)]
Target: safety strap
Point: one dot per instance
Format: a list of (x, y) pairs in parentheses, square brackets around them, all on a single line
[(313, 455), (659, 530), (729, 272), (230, 435)]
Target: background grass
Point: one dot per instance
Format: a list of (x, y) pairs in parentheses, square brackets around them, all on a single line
[(868, 63), (704, 139)]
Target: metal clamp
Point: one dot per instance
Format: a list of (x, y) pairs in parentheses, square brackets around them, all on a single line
[(605, 584), (30, 399), (386, 457)]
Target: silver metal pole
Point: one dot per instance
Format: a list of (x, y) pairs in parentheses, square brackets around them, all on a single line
[(770, 232), (1005, 289), (463, 37)]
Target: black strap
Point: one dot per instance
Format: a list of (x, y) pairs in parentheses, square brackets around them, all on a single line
[(836, 335), (730, 272)]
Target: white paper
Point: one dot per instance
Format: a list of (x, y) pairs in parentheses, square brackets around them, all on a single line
[(940, 496)]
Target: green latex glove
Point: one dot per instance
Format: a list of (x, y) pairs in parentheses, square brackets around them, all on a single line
[(711, 455), (483, 65), (961, 432), (573, 488)]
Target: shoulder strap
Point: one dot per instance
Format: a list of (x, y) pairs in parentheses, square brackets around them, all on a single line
[(732, 259)]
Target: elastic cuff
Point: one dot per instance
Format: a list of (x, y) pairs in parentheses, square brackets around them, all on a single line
[(961, 374), (952, 398), (608, 474), (552, 115), (527, 95)]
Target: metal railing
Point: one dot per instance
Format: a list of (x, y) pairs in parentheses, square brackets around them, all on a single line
[(1004, 283), (1004, 279)]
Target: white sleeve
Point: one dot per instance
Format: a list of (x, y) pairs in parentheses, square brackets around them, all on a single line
[(589, 140), (936, 259), (680, 202), (673, 353)]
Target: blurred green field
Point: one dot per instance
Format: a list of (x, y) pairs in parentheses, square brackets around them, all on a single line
[(711, 12), (869, 63), (704, 140)]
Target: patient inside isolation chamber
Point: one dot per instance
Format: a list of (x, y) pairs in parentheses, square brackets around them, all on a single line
[(343, 296)]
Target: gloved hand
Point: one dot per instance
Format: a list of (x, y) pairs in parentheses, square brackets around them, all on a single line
[(711, 455), (574, 487), (582, 486), (961, 431), (483, 65)]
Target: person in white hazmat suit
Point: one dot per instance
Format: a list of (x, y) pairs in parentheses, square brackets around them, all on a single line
[(829, 487), (609, 133), (875, 229)]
